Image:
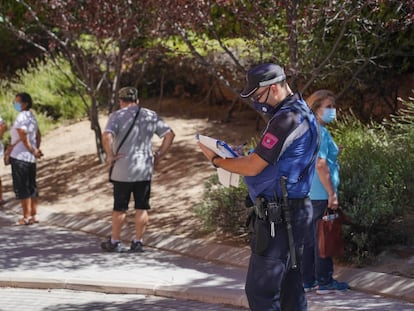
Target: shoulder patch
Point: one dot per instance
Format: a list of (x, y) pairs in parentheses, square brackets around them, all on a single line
[(269, 141)]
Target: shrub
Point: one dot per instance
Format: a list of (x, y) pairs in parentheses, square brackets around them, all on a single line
[(223, 208), (52, 93), (402, 129), (8, 114), (373, 188), (53, 96)]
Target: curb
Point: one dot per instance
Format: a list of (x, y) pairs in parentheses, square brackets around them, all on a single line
[(378, 283), (383, 284), (214, 296)]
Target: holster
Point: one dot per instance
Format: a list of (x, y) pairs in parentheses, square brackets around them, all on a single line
[(268, 213), (260, 208), (262, 230)]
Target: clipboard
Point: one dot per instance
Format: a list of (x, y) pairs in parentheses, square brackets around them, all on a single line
[(218, 146), (221, 148)]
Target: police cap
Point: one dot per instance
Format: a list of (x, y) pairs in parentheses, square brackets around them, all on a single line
[(262, 75)]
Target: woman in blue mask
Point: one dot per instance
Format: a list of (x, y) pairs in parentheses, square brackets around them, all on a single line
[(25, 139), (317, 271)]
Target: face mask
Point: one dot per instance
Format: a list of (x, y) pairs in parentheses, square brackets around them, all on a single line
[(17, 106), (329, 114), (264, 108)]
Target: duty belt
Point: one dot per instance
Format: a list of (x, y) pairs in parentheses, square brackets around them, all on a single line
[(262, 206)]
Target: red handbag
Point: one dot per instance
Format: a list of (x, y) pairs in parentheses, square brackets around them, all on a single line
[(330, 239)]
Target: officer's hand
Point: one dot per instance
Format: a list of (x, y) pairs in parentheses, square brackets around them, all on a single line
[(208, 153)]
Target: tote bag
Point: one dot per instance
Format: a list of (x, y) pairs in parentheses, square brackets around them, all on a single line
[(330, 239)]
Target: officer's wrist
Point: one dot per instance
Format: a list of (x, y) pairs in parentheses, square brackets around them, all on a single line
[(213, 161)]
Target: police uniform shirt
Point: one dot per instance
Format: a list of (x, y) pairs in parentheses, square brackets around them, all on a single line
[(274, 136), (287, 144)]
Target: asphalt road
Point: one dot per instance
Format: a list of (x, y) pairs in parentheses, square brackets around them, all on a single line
[(55, 259)]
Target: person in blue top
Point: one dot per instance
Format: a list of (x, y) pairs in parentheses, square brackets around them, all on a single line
[(317, 271), (286, 153)]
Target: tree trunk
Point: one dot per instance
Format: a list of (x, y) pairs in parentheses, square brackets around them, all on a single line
[(161, 90), (94, 118), (230, 110)]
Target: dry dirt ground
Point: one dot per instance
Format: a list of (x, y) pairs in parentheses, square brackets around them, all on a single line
[(72, 180)]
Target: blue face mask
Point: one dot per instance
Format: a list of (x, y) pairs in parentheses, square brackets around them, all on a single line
[(17, 106), (329, 114)]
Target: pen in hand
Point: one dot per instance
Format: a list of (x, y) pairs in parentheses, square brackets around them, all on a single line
[(239, 149)]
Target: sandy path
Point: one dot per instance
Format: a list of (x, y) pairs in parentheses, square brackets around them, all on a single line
[(72, 180)]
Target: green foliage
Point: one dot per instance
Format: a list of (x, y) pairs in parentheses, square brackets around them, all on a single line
[(402, 131), (364, 46), (374, 188), (203, 45), (52, 93), (8, 113), (223, 208), (53, 97)]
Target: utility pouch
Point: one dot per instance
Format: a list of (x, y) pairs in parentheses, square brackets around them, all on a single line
[(274, 211), (274, 215), (262, 230)]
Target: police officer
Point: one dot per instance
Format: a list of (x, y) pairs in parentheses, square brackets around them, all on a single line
[(286, 151)]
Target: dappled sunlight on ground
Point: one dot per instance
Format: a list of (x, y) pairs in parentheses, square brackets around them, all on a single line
[(72, 180)]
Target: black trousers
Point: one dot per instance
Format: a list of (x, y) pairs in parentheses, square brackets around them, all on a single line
[(271, 284)]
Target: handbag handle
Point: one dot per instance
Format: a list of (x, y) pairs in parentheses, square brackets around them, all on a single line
[(330, 216)]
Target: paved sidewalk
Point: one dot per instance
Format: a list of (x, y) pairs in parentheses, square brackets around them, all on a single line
[(40, 256), (46, 256), (20, 299)]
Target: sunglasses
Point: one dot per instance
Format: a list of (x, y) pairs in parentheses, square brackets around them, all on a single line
[(260, 95)]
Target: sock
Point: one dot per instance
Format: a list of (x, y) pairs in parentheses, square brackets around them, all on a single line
[(135, 240), (114, 241)]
